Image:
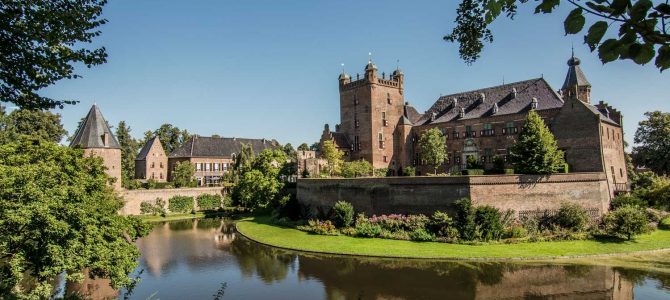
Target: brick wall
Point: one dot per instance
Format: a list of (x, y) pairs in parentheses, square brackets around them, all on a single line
[(414, 195), (112, 161), (134, 198)]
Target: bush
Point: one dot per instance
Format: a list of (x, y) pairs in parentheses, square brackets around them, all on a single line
[(516, 232), (366, 229), (415, 222), (487, 219), (227, 201), (360, 168), (465, 221), (133, 184), (470, 172), (498, 164), (623, 200), (421, 235), (508, 171), (209, 202), (343, 214), (146, 208), (392, 223), (442, 225), (409, 171), (156, 209), (180, 204), (563, 168), (471, 162), (381, 172), (572, 216), (626, 221), (320, 227), (664, 223)]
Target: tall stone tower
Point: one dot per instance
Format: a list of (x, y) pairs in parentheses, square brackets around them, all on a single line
[(575, 84), (371, 107), (94, 136)]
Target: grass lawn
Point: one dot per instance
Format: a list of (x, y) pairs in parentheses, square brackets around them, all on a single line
[(261, 231), (173, 217)]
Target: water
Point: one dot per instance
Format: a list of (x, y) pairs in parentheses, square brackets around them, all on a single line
[(205, 259)]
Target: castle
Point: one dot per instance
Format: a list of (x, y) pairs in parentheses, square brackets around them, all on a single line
[(377, 125)]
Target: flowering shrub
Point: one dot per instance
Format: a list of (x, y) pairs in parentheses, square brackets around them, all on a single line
[(421, 235), (320, 227)]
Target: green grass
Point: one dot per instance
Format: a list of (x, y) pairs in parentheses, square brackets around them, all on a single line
[(261, 231), (173, 217)]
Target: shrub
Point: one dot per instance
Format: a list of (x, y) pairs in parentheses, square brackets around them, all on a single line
[(470, 172), (180, 204), (421, 235), (632, 200), (626, 221), (355, 169), (465, 221), (394, 222), (415, 222), (381, 172), (563, 168), (487, 219), (320, 227), (516, 232), (209, 202), (409, 171), (227, 201), (471, 162), (442, 225), (664, 223), (508, 171), (572, 216), (395, 235), (156, 209), (343, 214), (498, 164), (366, 229), (146, 208)]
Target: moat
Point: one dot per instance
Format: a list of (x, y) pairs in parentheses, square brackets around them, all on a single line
[(205, 259)]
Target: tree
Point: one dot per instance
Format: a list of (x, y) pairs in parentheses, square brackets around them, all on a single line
[(58, 214), (432, 148), (333, 157), (536, 151), (171, 137), (653, 142), (303, 147), (315, 146), (261, 186), (129, 148), (243, 160), (290, 152), (359, 168), (182, 176), (643, 29), (42, 41), (626, 221), (40, 124)]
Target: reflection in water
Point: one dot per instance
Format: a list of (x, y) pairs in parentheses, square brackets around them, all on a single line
[(203, 259)]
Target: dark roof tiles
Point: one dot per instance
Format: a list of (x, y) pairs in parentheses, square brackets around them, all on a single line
[(220, 147), (145, 150), (91, 132)]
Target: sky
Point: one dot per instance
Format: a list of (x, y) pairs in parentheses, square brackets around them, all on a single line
[(268, 69)]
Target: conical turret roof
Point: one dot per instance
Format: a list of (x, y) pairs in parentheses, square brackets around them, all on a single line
[(92, 130), (575, 75)]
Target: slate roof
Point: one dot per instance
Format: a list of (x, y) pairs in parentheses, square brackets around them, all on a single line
[(411, 114), (145, 150), (480, 103), (596, 111), (575, 75), (220, 147), (90, 132)]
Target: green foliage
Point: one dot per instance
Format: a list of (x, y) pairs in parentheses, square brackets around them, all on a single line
[(409, 171), (364, 228), (499, 164), (488, 222), (535, 151), (320, 227), (42, 42), (156, 209), (471, 162), (626, 222), (432, 148), (465, 220), (516, 232), (470, 172), (627, 200), (508, 171), (171, 137), (359, 168), (572, 217), (641, 34), (39, 124), (129, 148), (182, 175), (208, 202), (303, 147), (652, 139), (421, 235), (58, 214), (664, 223), (180, 204), (261, 186), (333, 157), (644, 180), (381, 172), (442, 225), (658, 194), (343, 214)]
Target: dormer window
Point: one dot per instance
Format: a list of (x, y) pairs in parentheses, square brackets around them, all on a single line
[(533, 104)]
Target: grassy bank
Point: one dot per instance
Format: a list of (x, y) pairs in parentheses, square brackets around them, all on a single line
[(260, 230), (173, 217)]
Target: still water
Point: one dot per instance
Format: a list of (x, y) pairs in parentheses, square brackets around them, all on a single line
[(205, 259)]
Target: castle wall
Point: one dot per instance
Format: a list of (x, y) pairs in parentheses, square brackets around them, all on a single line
[(525, 194), (133, 198), (111, 160), (577, 132)]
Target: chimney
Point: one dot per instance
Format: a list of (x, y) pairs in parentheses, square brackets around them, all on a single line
[(533, 104), (513, 93), (495, 108)]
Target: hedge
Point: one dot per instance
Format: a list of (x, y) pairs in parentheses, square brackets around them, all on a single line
[(473, 172), (180, 204), (209, 202)]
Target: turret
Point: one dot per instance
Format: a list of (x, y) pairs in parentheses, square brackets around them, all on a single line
[(576, 85), (371, 71)]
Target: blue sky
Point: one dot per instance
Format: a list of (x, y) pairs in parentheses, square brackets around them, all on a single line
[(268, 69)]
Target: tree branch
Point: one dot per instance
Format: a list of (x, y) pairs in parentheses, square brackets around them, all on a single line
[(595, 12)]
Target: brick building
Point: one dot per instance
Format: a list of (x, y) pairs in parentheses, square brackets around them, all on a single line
[(151, 162), (213, 156), (94, 136), (376, 124)]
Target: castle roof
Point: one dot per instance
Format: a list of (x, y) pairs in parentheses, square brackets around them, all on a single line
[(510, 98), (145, 150), (91, 132), (219, 146), (575, 75)]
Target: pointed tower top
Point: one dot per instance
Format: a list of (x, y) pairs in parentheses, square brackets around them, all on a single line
[(93, 132), (575, 76)]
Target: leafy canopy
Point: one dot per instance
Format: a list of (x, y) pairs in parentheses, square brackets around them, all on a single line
[(653, 142), (432, 148), (182, 176), (260, 186), (333, 157), (359, 168), (41, 124), (42, 41), (643, 27), (59, 214), (129, 149), (536, 151)]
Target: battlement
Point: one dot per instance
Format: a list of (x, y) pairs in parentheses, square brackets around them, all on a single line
[(392, 82)]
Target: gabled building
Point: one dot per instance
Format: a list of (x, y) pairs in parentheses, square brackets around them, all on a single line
[(151, 162), (95, 137), (213, 156)]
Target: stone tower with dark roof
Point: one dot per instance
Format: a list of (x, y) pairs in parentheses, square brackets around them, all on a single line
[(95, 137), (575, 84), (152, 162)]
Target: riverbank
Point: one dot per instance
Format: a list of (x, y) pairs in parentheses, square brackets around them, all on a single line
[(260, 230)]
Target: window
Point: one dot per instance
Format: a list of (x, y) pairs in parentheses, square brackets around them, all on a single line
[(388, 98), (357, 144), (161, 165), (510, 128), (216, 167), (488, 154), (160, 175), (356, 122), (198, 167), (380, 137), (455, 133), (152, 175), (469, 133), (152, 165), (385, 158), (384, 121), (488, 130), (207, 165), (621, 172), (224, 166)]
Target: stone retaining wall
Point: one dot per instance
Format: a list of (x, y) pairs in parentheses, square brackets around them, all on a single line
[(525, 194), (134, 198)]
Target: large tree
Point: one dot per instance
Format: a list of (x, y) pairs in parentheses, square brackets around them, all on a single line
[(639, 29), (129, 148), (653, 142), (41, 124), (535, 151), (171, 137), (41, 41), (260, 186), (303, 147), (433, 148), (333, 157), (58, 214), (182, 176)]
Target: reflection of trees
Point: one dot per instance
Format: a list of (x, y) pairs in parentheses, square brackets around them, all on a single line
[(270, 264)]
